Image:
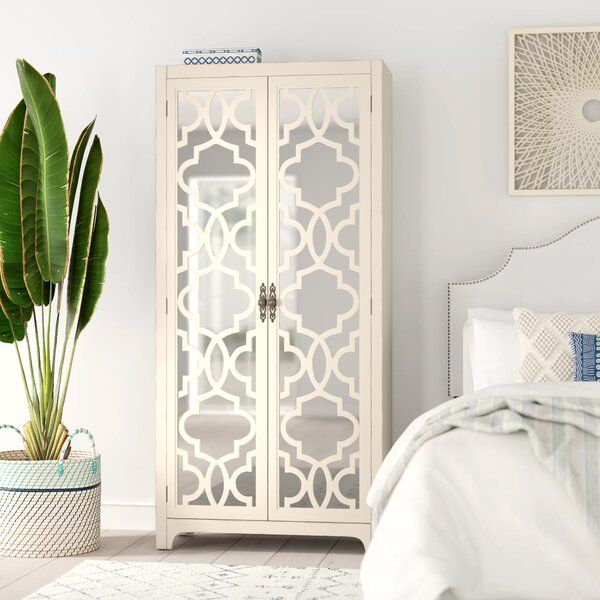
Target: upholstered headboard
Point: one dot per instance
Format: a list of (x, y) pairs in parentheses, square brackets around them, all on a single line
[(563, 274)]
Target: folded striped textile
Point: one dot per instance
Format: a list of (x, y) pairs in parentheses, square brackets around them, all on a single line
[(564, 433)]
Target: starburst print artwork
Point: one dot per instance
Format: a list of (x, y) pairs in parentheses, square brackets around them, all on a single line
[(555, 121)]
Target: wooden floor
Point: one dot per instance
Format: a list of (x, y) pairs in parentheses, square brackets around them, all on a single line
[(21, 576)]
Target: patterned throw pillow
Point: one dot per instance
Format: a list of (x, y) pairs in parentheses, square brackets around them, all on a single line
[(545, 343), (586, 354)]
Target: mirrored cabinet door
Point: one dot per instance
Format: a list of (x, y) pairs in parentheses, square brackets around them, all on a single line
[(217, 219), (319, 257)]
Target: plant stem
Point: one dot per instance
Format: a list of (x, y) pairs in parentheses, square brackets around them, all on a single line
[(32, 442), (22, 371), (59, 302), (54, 429), (59, 440), (34, 424), (35, 392), (38, 429), (62, 361), (49, 328), (33, 407), (47, 392), (61, 365), (43, 328), (43, 359), (57, 417), (64, 392), (37, 343)]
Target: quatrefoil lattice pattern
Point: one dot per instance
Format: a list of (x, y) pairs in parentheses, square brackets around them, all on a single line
[(319, 278), (216, 278)]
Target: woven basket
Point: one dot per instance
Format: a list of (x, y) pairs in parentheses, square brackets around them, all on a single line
[(49, 508)]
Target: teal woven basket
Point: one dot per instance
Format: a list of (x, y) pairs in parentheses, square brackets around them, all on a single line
[(49, 508)]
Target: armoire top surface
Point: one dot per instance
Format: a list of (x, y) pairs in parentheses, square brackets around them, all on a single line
[(271, 68)]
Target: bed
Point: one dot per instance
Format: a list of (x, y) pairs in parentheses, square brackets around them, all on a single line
[(466, 507)]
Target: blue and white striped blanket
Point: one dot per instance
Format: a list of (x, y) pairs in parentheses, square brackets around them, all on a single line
[(564, 432)]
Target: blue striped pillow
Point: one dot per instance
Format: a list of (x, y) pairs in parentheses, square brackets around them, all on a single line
[(586, 355)]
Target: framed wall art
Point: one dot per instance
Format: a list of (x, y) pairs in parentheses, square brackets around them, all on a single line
[(554, 111)]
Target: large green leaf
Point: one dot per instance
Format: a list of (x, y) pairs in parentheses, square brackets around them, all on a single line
[(6, 334), (51, 79), (29, 196), (11, 243), (83, 230), (76, 162), (52, 206), (96, 268), (39, 290), (16, 316)]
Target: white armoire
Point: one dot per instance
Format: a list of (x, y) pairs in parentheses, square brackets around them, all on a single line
[(273, 292)]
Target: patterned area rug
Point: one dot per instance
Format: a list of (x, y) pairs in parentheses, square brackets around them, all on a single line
[(124, 580)]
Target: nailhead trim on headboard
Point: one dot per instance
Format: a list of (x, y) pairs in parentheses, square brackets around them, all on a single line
[(498, 271)]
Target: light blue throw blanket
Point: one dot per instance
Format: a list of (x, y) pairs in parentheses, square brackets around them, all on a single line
[(564, 433)]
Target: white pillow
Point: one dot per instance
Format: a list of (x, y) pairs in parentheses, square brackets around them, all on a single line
[(545, 344), (493, 347), (491, 314)]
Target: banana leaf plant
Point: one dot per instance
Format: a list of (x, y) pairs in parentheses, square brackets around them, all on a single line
[(53, 250)]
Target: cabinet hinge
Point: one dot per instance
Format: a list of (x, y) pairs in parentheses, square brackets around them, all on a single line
[(166, 493), (371, 104), (167, 305), (166, 108), (371, 306)]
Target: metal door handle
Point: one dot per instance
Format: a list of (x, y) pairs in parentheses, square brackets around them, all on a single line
[(272, 302), (262, 302)]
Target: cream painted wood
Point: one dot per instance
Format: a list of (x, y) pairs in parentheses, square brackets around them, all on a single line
[(574, 60), (374, 82), (319, 87), (175, 527), (271, 69), (161, 315), (381, 272), (216, 508)]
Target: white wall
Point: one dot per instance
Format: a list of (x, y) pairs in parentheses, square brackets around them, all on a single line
[(452, 216)]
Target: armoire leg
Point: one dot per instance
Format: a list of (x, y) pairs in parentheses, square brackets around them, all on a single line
[(365, 538), (163, 540)]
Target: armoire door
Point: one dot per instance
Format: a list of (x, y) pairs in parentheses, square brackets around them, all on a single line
[(319, 264), (216, 235)]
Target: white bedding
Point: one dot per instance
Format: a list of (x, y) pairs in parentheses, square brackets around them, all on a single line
[(454, 527)]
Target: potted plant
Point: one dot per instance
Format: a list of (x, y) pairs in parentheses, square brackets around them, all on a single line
[(53, 249)]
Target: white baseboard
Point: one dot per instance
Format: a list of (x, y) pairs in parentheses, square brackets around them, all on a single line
[(125, 514)]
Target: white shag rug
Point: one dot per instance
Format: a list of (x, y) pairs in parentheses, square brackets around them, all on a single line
[(112, 580)]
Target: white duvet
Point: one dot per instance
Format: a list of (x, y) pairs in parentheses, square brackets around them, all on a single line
[(453, 527)]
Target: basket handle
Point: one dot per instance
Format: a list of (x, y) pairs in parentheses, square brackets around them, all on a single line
[(61, 468), (20, 435)]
